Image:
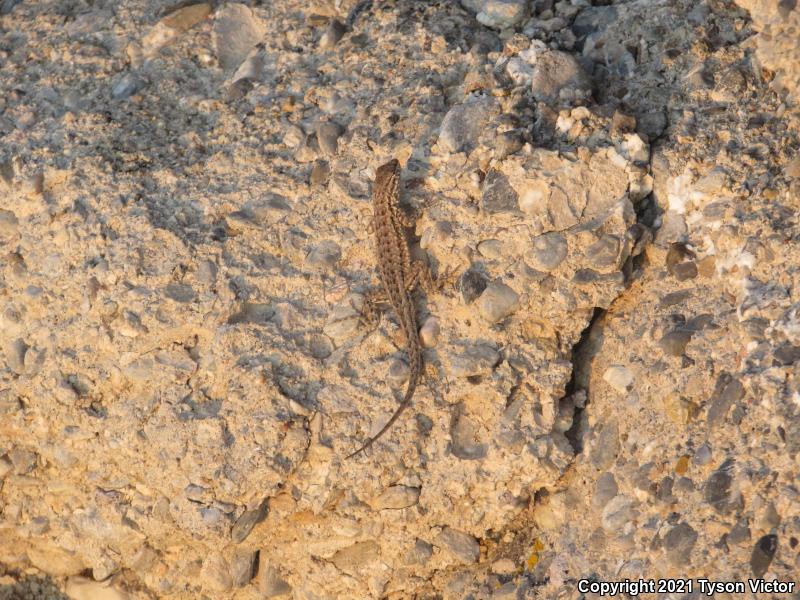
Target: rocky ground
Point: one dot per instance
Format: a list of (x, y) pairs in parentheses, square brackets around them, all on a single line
[(609, 193)]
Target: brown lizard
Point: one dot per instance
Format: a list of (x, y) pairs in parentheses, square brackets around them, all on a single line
[(399, 274)]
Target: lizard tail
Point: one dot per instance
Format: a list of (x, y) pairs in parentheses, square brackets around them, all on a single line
[(413, 378)]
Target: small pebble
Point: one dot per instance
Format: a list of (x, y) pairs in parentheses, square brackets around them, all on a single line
[(763, 553), (247, 521), (397, 497), (497, 302), (419, 554), (617, 513), (679, 542), (674, 343), (328, 134), (548, 251), (463, 124), (325, 254), (619, 377), (502, 14), (471, 284), (333, 33), (127, 86), (319, 173), (479, 359), (680, 263), (429, 332), (462, 545)]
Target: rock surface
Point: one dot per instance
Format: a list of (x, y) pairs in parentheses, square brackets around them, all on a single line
[(609, 196)]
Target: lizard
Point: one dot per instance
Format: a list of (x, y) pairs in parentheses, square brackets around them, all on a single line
[(399, 275)]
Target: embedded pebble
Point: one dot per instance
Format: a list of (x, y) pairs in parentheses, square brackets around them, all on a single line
[(269, 581), (463, 124), (497, 302), (476, 360), (243, 565), (9, 224), (497, 195), (617, 512), (247, 521), (24, 461), (127, 86), (619, 377), (558, 75), (727, 391), (398, 373), (325, 254), (502, 14), (319, 173), (763, 553), (464, 546), (420, 553), (680, 262), (604, 490), (236, 32), (333, 33), (397, 497), (429, 332), (215, 573), (328, 134), (717, 490), (679, 543), (548, 251), (180, 292), (471, 284), (674, 342)]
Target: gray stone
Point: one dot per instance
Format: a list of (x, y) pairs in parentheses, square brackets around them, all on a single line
[(269, 581), (674, 342), (471, 285), (717, 490), (508, 143), (464, 546), (727, 391), (242, 567), (127, 86), (604, 252), (319, 173), (328, 135), (479, 359), (497, 302), (252, 312), (606, 445), (740, 532), (558, 74), (419, 554), (617, 513), (397, 497), (9, 224), (236, 33), (180, 292), (605, 488), (502, 14), (247, 521), (548, 251), (679, 542), (763, 553), (464, 442), (325, 254), (15, 355), (463, 124), (497, 195), (333, 33), (24, 460), (680, 262)]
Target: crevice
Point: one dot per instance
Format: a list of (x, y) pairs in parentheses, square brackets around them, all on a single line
[(577, 390)]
